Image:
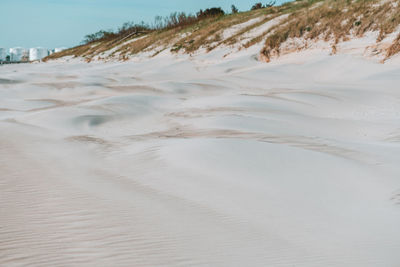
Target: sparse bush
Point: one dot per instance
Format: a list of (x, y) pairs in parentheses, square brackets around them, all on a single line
[(179, 20), (257, 6), (210, 12), (234, 9), (126, 29), (182, 19), (100, 35), (260, 5), (130, 27), (174, 20)]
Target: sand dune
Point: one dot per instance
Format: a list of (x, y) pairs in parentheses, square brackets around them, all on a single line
[(182, 162)]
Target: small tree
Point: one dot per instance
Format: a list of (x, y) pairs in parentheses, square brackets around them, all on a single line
[(257, 6), (100, 35), (158, 23), (234, 9), (210, 12)]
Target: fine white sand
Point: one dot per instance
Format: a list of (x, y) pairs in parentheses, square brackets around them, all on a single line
[(201, 162)]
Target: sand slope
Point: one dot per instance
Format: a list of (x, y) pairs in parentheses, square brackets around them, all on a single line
[(201, 162)]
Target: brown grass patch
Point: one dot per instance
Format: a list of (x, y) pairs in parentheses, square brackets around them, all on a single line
[(394, 48), (335, 20)]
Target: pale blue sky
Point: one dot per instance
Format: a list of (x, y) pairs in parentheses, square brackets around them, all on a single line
[(56, 23)]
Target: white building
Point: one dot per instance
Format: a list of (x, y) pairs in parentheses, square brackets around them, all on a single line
[(3, 54), (37, 53), (17, 54)]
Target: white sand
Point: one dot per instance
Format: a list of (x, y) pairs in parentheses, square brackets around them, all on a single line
[(177, 162)]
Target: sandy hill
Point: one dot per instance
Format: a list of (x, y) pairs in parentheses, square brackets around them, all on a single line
[(193, 153), (364, 27)]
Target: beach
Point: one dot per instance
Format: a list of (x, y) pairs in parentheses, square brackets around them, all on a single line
[(201, 161)]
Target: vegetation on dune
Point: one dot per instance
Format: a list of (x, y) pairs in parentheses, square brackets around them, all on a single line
[(174, 20), (126, 29), (259, 5), (234, 9), (333, 21), (394, 48), (162, 27), (336, 21)]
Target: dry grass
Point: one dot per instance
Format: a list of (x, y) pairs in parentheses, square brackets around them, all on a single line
[(333, 21), (187, 37), (152, 40), (203, 36), (78, 51), (394, 48), (236, 37), (206, 33)]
